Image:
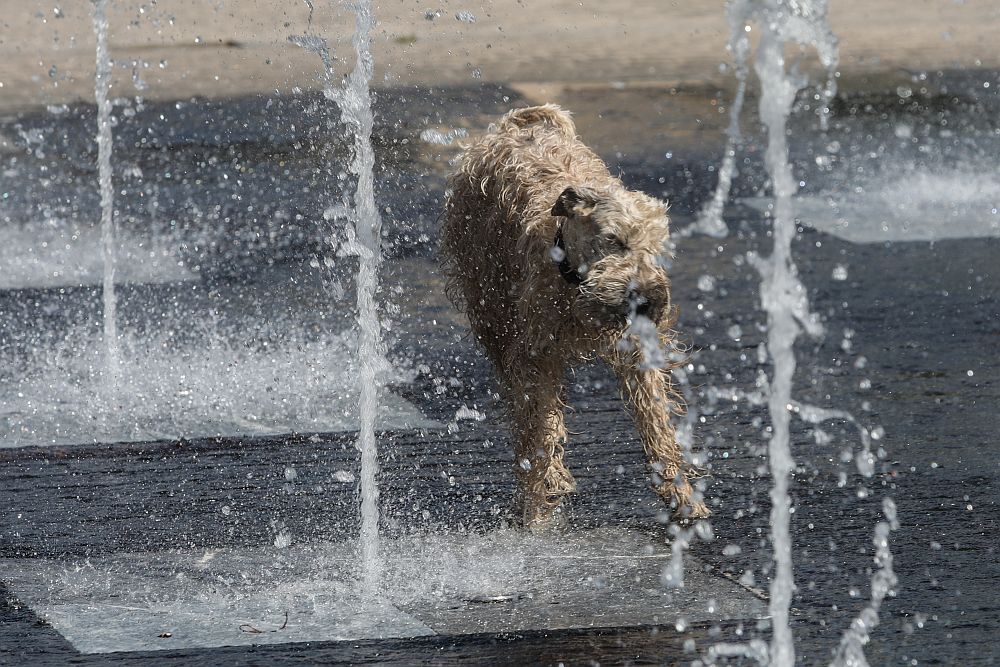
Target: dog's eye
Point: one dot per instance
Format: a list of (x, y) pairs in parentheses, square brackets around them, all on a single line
[(616, 243)]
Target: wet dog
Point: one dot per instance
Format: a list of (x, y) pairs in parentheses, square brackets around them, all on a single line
[(552, 259)]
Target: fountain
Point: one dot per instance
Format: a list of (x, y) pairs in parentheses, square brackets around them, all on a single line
[(850, 651), (356, 110), (105, 147), (710, 220), (363, 241), (784, 300), (738, 14), (238, 389)]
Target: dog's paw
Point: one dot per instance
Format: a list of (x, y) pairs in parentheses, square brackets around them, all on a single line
[(553, 520), (687, 515)]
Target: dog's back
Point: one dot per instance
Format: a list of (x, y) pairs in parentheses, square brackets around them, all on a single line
[(523, 162), (500, 199), (547, 114)]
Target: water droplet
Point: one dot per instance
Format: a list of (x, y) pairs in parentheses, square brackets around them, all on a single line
[(432, 136), (706, 283)]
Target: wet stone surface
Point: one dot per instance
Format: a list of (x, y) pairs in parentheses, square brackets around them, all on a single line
[(445, 585), (71, 503), (911, 345)]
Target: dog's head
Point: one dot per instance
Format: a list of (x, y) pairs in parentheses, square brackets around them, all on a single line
[(611, 243)]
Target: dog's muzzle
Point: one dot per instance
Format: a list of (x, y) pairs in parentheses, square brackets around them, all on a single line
[(647, 305), (569, 273)]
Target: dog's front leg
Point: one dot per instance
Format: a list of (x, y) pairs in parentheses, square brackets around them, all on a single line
[(652, 402), (534, 392)]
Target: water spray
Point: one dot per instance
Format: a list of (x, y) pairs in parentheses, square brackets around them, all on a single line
[(102, 88), (355, 105)]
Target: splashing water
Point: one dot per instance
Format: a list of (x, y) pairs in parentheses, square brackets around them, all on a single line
[(851, 652), (783, 299), (57, 253), (710, 220), (356, 111), (102, 86), (645, 336), (816, 32), (210, 380), (364, 241)]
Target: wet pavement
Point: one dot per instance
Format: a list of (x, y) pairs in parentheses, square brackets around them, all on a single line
[(171, 530), (435, 585)]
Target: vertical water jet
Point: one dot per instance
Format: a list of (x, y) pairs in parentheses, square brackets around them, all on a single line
[(851, 652), (816, 32), (779, 290), (363, 239), (356, 111), (710, 220), (783, 296), (102, 88)]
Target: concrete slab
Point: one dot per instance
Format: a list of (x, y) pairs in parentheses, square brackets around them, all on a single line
[(435, 584), (161, 601), (599, 578)]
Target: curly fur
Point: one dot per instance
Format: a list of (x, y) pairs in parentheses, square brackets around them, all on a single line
[(514, 189)]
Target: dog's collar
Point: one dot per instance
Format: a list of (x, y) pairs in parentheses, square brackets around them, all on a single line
[(566, 270)]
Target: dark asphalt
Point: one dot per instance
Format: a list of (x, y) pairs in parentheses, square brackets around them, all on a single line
[(924, 317)]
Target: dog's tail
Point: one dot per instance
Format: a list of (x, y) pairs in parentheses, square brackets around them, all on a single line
[(546, 114)]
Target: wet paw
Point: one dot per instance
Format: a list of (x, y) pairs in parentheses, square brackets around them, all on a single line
[(551, 518), (688, 514)]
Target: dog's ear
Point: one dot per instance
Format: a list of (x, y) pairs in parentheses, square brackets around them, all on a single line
[(574, 201)]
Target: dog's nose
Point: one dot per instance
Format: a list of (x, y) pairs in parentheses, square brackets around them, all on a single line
[(647, 305)]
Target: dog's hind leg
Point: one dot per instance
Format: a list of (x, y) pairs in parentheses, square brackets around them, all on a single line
[(652, 401), (535, 397)]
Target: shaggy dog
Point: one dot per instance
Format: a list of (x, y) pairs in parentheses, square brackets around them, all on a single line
[(552, 259)]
